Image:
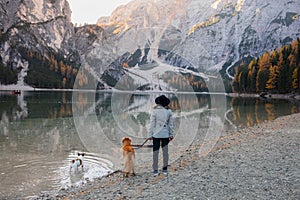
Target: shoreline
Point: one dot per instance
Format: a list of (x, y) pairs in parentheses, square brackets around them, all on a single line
[(265, 96), (291, 96), (260, 162)]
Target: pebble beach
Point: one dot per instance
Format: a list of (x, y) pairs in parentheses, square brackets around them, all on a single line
[(260, 162)]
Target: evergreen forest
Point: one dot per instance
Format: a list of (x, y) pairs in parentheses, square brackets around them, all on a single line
[(273, 72)]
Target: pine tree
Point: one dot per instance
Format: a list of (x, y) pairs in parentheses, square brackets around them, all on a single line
[(261, 80), (265, 61), (64, 82), (282, 77), (243, 77), (69, 70), (264, 64), (274, 57), (273, 78), (296, 79), (252, 74), (62, 68), (277, 71), (235, 83), (292, 61)]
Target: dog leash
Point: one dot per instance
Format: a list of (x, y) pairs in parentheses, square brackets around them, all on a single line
[(140, 146)]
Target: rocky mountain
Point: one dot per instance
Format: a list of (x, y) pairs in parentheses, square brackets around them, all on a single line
[(34, 35), (155, 44), (209, 36), (229, 31)]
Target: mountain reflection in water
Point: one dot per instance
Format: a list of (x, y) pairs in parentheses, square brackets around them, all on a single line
[(39, 137)]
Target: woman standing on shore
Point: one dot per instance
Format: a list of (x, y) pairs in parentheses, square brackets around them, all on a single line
[(161, 131)]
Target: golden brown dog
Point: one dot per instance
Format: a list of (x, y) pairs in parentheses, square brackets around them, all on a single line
[(128, 156)]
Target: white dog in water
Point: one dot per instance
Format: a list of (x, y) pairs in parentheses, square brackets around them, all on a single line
[(77, 163)]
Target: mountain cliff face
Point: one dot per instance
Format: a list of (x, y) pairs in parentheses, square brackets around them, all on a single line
[(228, 31), (152, 41), (35, 30), (212, 35), (139, 38), (155, 44)]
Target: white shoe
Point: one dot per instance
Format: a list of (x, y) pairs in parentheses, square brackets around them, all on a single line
[(155, 173)]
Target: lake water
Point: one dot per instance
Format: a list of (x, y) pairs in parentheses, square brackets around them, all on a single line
[(41, 132)]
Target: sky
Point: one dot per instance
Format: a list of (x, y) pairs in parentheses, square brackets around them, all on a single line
[(89, 11)]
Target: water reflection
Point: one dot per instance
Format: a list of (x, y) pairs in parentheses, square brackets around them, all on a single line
[(38, 136), (104, 118), (36, 105), (120, 117), (246, 112)]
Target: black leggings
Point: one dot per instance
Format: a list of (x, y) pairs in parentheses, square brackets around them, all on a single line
[(163, 142)]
